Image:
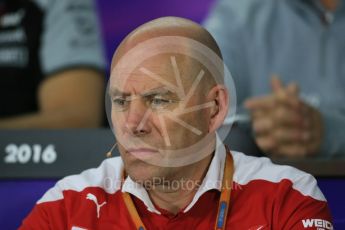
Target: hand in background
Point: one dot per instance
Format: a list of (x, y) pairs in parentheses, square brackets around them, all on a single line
[(283, 124)]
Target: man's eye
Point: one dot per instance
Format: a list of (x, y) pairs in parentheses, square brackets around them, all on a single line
[(119, 102), (159, 101)]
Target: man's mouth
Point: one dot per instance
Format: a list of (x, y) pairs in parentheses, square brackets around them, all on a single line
[(142, 152)]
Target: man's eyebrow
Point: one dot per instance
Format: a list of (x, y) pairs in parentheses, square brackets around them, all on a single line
[(160, 90), (151, 92)]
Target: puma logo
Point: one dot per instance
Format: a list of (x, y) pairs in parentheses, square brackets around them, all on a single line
[(92, 197)]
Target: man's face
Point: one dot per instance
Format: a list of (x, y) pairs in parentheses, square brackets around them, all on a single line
[(154, 114)]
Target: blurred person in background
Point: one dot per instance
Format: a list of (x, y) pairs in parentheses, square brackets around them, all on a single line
[(51, 64), (287, 60)]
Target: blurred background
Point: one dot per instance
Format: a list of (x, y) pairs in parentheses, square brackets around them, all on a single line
[(45, 155)]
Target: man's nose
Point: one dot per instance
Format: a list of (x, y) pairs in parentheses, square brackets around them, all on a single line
[(137, 120)]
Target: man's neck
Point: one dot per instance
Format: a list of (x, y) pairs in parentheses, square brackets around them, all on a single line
[(181, 191)]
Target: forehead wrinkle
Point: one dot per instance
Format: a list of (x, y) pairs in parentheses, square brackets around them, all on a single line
[(188, 67)]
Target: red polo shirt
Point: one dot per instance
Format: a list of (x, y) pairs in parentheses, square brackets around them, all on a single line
[(264, 196)]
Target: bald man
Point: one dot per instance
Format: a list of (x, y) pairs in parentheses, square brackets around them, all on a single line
[(167, 102)]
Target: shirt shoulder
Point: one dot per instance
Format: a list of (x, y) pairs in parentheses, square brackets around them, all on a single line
[(84, 201), (249, 169), (287, 198), (106, 177)]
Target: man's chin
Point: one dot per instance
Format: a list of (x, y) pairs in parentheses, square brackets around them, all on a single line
[(140, 171)]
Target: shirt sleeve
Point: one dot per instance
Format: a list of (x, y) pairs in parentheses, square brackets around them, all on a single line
[(71, 36), (295, 210), (49, 215), (37, 219), (231, 24)]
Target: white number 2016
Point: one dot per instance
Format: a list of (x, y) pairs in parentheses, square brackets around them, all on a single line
[(24, 153)]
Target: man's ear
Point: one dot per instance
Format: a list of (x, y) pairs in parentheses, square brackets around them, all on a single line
[(220, 96)]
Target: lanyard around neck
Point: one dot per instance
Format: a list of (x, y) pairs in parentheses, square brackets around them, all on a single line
[(224, 200)]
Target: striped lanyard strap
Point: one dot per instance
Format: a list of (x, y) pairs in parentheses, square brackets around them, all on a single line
[(223, 205)]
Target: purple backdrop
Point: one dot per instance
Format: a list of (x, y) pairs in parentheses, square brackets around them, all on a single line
[(118, 18)]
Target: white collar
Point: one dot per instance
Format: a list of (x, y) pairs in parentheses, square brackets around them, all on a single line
[(212, 180)]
